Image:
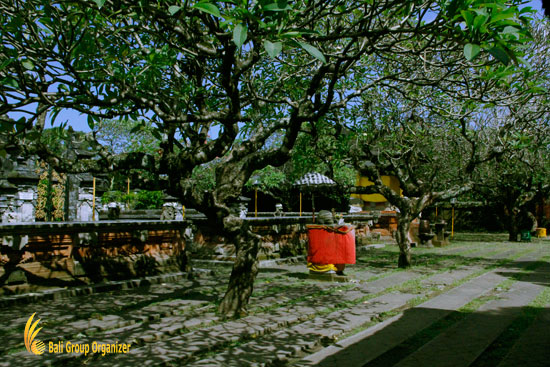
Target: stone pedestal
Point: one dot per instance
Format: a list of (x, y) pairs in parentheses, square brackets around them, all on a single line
[(441, 237), (425, 233)]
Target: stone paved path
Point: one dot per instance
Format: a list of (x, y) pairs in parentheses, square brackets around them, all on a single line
[(431, 314), (533, 348), (373, 342)]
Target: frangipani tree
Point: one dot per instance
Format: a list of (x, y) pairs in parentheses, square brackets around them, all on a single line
[(521, 173), (240, 71)]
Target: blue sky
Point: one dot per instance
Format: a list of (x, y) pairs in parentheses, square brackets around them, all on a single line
[(79, 121)]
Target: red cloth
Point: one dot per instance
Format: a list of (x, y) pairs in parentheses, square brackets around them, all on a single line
[(331, 245)]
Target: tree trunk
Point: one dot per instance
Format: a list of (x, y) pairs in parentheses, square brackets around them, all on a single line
[(402, 238), (521, 220), (513, 233), (241, 281), (513, 227)]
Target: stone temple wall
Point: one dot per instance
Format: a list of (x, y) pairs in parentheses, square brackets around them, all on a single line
[(72, 258), (65, 255)]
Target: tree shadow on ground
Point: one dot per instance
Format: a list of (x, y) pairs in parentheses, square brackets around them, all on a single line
[(439, 337)]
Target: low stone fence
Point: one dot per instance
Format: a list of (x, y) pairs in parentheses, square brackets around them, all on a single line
[(33, 255), (76, 253)]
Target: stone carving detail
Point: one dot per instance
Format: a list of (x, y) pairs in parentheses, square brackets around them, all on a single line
[(168, 212)]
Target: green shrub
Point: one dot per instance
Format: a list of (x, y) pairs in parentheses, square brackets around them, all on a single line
[(149, 200), (112, 196), (142, 200)]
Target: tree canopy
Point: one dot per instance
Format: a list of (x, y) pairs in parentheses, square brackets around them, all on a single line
[(241, 71)]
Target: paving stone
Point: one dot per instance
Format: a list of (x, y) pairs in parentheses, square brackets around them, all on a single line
[(307, 335), (360, 275), (349, 295), (277, 334), (465, 341), (532, 348), (124, 330), (193, 323), (480, 253), (107, 322), (450, 277), (388, 281), (365, 346), (79, 325), (451, 250), (290, 342), (506, 254)]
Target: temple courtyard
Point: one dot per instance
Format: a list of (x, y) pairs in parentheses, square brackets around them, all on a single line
[(482, 301)]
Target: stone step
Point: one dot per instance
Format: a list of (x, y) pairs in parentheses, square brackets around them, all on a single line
[(58, 293), (532, 348), (462, 343), (94, 314), (377, 340), (100, 304), (249, 327), (285, 344), (299, 313), (179, 348), (367, 345), (157, 335), (276, 348)]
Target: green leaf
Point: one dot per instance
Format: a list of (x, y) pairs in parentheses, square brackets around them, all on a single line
[(27, 64), (479, 21), (273, 49), (239, 34), (156, 134), (527, 9), (174, 9), (280, 5), (100, 3), (452, 8), (33, 135), (21, 124), (468, 17), (91, 122), (54, 114), (290, 34), (481, 11), (501, 55), (303, 31), (510, 13), (208, 8), (511, 30), (6, 126), (471, 51), (313, 51), (136, 128), (5, 63), (9, 81)]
